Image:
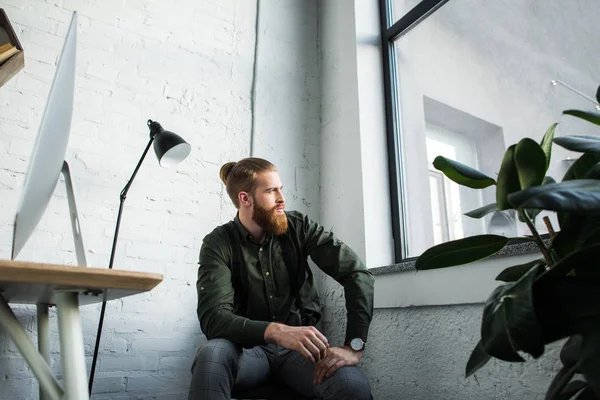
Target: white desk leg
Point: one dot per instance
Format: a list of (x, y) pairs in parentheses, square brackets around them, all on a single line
[(71, 346), (38, 365), (43, 338)]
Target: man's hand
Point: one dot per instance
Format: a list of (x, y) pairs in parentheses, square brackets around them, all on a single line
[(306, 340), (336, 358)]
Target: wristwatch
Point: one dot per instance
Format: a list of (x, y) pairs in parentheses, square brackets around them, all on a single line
[(357, 344)]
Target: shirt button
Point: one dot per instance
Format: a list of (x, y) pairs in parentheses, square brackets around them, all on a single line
[(260, 249), (273, 317), (267, 273), (271, 296)]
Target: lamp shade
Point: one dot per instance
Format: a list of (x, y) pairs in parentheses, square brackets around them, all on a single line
[(170, 149)]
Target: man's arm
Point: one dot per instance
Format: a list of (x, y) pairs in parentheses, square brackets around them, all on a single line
[(215, 301), (340, 262)]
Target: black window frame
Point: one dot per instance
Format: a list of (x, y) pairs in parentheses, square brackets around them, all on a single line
[(391, 31)]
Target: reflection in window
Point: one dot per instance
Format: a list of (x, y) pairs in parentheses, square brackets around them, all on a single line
[(474, 78), (441, 225)]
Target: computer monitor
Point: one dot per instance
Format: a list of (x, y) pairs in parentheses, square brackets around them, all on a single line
[(47, 160)]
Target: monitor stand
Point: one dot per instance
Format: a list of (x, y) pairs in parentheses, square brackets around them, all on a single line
[(74, 216), (77, 238), (41, 360)]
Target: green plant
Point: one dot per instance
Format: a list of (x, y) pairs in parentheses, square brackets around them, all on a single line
[(551, 298)]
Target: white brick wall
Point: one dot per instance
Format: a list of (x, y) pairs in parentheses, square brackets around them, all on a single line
[(189, 65)]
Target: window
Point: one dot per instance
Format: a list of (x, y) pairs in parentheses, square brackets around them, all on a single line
[(466, 79)]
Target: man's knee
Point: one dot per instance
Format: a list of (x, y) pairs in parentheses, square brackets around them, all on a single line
[(347, 383), (214, 370), (216, 351)]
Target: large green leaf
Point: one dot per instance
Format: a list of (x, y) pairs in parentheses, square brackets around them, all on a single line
[(533, 212), (587, 239), (508, 179), (579, 143), (587, 394), (530, 161), (566, 305), (594, 172), (514, 273), (559, 388), (572, 388), (547, 143), (584, 359), (580, 195), (581, 166), (461, 251), (482, 211), (477, 359), (580, 354), (590, 361), (569, 355), (592, 117), (580, 169), (564, 242), (580, 262), (462, 174), (509, 322), (577, 231)]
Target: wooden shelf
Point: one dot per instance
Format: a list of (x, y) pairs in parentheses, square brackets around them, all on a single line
[(16, 62)]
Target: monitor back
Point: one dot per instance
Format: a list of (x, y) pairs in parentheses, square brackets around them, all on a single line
[(50, 146)]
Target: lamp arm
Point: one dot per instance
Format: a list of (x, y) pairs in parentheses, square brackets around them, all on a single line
[(122, 198), (135, 171)]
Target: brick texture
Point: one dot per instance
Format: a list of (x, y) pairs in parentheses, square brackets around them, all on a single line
[(190, 65)]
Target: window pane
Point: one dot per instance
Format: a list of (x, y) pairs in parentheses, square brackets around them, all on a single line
[(475, 78), (401, 7)]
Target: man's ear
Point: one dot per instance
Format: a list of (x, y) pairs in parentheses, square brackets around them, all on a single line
[(244, 198)]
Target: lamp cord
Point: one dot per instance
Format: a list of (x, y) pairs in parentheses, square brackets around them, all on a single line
[(123, 196)]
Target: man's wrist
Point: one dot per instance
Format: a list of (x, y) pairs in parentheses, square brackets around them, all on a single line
[(355, 344), (271, 332)]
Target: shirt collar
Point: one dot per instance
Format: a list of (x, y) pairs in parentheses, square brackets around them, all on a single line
[(244, 232)]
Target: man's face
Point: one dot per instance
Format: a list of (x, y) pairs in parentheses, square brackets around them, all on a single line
[(269, 204)]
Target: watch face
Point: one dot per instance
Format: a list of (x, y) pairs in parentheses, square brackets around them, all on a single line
[(357, 344)]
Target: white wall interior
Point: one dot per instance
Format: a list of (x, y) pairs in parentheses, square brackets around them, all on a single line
[(190, 66), (493, 61), (355, 199)]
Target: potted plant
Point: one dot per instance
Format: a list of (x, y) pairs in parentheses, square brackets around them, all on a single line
[(558, 295)]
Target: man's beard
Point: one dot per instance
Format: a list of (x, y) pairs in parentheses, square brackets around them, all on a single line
[(270, 220)]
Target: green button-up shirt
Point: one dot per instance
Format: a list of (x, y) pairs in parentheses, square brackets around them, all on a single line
[(270, 298)]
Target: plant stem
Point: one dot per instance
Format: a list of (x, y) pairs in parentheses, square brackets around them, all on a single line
[(536, 237), (549, 227)]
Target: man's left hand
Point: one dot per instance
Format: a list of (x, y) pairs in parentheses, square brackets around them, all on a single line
[(336, 358)]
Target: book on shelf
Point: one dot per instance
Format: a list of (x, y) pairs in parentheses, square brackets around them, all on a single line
[(6, 52)]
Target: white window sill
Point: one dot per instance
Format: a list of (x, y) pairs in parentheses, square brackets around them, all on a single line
[(400, 285)]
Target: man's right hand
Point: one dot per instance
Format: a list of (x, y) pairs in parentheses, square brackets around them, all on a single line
[(306, 340)]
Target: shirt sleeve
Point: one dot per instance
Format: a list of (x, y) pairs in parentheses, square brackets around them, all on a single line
[(340, 262), (215, 299)]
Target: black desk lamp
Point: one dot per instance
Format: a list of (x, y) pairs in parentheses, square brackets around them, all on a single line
[(170, 150)]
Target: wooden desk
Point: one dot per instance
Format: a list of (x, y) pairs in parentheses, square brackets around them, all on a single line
[(66, 287)]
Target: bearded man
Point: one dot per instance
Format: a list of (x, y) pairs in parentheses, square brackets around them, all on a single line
[(257, 298)]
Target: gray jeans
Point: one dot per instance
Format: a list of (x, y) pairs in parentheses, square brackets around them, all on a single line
[(221, 366)]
